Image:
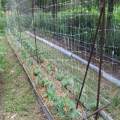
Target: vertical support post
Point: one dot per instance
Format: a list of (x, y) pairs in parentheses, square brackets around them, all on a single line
[(8, 20), (34, 28), (19, 23), (101, 57), (90, 56)]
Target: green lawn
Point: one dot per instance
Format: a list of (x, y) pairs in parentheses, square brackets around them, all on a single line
[(17, 98)]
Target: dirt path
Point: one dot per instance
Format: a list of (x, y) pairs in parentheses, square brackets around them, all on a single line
[(17, 98)]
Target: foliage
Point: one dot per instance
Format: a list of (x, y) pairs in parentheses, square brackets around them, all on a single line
[(40, 77), (116, 100), (60, 75), (2, 24), (50, 68), (67, 82), (40, 58), (2, 57), (80, 26), (36, 71)]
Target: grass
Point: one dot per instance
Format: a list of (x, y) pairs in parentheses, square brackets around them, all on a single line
[(17, 99)]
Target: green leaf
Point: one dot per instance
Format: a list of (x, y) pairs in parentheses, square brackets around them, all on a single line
[(60, 109), (54, 111), (73, 114), (69, 87), (48, 68), (56, 101), (77, 90), (48, 82), (36, 70), (82, 99), (59, 75), (91, 103), (41, 75), (64, 82), (70, 103), (50, 89), (46, 94), (50, 72), (39, 80), (71, 80)]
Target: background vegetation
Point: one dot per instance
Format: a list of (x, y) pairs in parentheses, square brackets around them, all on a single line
[(2, 15), (76, 21)]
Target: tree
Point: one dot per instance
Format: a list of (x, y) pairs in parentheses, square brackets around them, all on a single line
[(3, 3)]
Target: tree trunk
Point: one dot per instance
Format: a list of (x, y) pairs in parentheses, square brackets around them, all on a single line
[(110, 13), (54, 14)]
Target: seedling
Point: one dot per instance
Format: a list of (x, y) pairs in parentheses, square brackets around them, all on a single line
[(48, 83), (77, 90), (73, 114), (30, 62), (33, 51), (59, 106), (40, 79), (66, 82), (60, 75), (36, 71), (40, 58), (23, 54), (51, 69), (50, 88), (91, 105)]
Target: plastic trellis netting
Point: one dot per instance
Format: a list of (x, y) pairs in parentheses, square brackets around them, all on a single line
[(60, 31)]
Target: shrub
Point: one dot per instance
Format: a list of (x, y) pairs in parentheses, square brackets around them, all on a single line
[(2, 24)]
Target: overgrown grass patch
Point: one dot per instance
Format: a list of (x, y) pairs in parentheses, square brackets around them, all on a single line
[(18, 98)]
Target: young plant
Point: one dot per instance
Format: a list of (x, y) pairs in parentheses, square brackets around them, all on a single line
[(50, 87), (40, 78), (36, 71), (77, 92), (33, 51), (30, 62), (73, 114), (47, 83), (60, 75), (71, 111), (40, 58), (50, 68), (59, 106), (91, 105), (23, 54), (67, 81)]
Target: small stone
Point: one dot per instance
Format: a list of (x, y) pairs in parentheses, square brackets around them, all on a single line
[(13, 116)]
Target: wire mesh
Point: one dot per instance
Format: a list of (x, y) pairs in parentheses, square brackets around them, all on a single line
[(71, 25)]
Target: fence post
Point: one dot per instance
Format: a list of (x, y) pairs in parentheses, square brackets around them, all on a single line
[(90, 56), (34, 29), (19, 23), (101, 57)]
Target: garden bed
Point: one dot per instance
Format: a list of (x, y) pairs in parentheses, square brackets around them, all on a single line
[(49, 82)]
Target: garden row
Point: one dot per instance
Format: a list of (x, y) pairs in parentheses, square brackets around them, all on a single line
[(63, 105)]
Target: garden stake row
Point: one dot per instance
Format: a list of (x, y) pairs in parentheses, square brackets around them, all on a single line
[(101, 55), (33, 4), (19, 23)]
